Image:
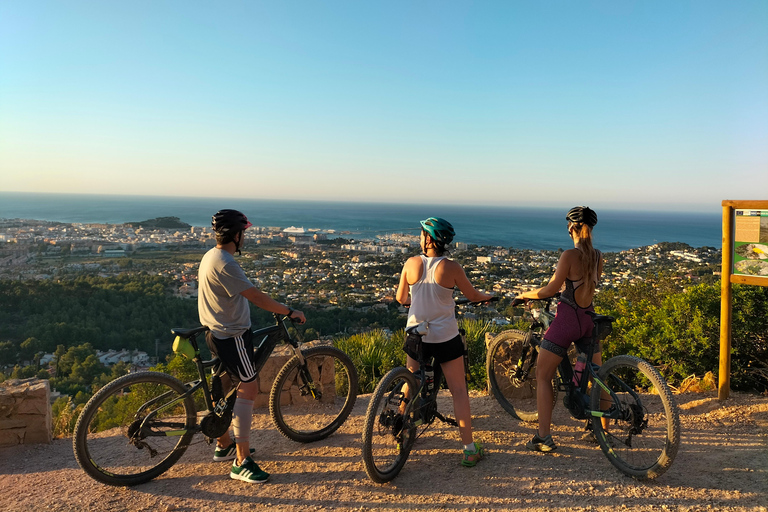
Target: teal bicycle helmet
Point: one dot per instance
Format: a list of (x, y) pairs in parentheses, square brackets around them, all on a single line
[(439, 229)]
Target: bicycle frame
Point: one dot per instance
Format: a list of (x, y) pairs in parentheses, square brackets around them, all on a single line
[(270, 336), (541, 320), (542, 317), (623, 399), (423, 400)]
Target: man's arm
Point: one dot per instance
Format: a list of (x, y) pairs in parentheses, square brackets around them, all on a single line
[(267, 303)]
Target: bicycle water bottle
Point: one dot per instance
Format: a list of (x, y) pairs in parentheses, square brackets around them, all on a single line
[(578, 369), (429, 378)]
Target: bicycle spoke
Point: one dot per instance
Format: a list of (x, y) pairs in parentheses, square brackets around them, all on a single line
[(388, 434), (512, 375), (120, 440), (643, 440), (310, 407)]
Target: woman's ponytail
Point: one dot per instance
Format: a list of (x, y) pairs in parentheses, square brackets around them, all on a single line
[(589, 256)]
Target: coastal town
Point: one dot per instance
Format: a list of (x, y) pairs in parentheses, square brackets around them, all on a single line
[(305, 266)]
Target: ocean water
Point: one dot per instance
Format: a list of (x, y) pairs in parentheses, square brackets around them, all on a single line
[(521, 228)]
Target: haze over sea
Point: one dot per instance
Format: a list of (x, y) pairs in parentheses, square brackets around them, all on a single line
[(521, 228)]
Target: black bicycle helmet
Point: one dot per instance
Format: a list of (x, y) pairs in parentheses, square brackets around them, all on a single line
[(439, 229), (229, 222), (582, 215)]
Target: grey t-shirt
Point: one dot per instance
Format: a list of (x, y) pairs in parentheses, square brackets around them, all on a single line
[(219, 303)]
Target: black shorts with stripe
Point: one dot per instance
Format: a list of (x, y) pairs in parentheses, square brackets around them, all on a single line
[(235, 355)]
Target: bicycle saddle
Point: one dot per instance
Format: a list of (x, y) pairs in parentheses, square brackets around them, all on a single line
[(600, 318), (186, 333)]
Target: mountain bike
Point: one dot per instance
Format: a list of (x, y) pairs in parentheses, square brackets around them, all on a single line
[(402, 407), (139, 425), (641, 435)]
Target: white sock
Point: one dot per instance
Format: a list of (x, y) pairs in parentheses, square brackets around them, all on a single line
[(470, 447)]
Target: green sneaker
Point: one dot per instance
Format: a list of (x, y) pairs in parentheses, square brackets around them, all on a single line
[(541, 444), (249, 472), (228, 453), (470, 459)]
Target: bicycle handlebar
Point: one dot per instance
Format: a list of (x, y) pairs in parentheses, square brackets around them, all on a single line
[(462, 301), (519, 302)]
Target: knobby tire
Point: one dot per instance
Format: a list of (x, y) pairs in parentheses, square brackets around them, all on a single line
[(384, 454), (297, 413), (516, 397), (110, 419), (645, 441)]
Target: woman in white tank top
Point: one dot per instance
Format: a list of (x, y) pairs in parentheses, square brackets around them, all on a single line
[(426, 284)]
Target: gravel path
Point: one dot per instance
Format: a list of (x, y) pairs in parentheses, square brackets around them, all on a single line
[(722, 465)]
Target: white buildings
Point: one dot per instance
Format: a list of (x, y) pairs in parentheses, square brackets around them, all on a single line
[(134, 357)]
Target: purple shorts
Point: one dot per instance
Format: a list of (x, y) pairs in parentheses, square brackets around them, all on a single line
[(571, 325)]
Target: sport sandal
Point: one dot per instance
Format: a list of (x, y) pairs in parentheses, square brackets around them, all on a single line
[(226, 453), (539, 444), (249, 472), (470, 459)]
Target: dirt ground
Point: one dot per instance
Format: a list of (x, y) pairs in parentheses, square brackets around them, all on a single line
[(722, 465)]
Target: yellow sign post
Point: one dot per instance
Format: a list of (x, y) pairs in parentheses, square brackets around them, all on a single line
[(745, 261)]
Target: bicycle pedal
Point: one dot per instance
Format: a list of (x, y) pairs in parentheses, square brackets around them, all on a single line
[(220, 407)]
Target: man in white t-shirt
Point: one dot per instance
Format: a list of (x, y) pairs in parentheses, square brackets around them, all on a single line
[(223, 295)]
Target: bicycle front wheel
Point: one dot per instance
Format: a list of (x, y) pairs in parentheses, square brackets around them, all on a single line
[(512, 376), (388, 435), (310, 402), (134, 428), (644, 440)]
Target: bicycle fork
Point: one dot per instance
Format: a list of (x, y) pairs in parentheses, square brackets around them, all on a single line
[(308, 386), (524, 363)]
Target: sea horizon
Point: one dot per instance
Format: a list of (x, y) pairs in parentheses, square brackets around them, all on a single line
[(521, 227)]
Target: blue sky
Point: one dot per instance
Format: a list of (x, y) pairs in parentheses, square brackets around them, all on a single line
[(614, 103)]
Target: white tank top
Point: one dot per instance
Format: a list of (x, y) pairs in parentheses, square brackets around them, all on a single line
[(434, 304)]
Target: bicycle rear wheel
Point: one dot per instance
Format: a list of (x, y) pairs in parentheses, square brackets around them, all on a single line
[(387, 435), (643, 442), (515, 394), (134, 428), (309, 407)]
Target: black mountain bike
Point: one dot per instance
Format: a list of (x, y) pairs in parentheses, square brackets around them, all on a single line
[(643, 421), (139, 425), (402, 407)]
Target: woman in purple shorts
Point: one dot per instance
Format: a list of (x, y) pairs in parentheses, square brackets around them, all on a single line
[(578, 270)]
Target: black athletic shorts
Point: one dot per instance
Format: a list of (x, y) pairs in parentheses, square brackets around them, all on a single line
[(235, 355), (442, 352)]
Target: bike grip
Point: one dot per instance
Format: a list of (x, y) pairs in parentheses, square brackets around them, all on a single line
[(517, 302)]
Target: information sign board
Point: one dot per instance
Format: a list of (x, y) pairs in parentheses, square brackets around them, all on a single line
[(750, 243)]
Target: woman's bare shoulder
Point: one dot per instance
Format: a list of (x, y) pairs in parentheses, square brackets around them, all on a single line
[(450, 269), (413, 260), (570, 254), (413, 264)]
